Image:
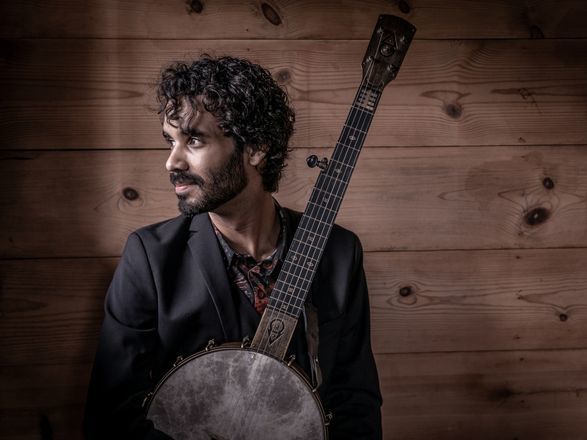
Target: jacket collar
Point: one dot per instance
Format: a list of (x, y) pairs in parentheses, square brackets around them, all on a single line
[(208, 261)]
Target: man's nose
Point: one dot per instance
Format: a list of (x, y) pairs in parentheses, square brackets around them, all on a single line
[(176, 160)]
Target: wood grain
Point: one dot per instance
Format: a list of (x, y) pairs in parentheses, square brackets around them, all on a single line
[(286, 19), (85, 203), (99, 93), (538, 395), (470, 200), (52, 310), (457, 301), (477, 300)]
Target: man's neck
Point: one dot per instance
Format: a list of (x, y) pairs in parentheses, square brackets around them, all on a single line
[(249, 225)]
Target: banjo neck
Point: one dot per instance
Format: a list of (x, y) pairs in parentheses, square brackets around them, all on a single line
[(387, 48)]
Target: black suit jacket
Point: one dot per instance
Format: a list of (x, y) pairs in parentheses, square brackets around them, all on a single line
[(170, 295)]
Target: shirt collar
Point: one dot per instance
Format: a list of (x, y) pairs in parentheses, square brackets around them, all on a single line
[(229, 254)]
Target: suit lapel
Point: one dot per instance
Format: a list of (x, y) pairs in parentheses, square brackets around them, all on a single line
[(208, 260)]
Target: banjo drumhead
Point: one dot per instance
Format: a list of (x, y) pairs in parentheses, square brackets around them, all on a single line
[(236, 394)]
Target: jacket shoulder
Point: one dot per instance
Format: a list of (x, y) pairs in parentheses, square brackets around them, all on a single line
[(165, 233)]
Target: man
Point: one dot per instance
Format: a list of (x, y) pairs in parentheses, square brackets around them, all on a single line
[(208, 273)]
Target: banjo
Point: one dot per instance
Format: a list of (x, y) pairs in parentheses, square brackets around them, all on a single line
[(248, 391)]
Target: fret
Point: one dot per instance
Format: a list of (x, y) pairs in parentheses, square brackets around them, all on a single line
[(356, 123), (327, 224), (322, 206), (336, 169), (282, 308), (347, 149), (303, 270), (312, 233), (346, 169), (337, 179), (292, 297), (341, 163), (312, 249), (298, 256), (325, 193), (355, 132), (358, 133), (306, 244), (286, 291), (287, 309), (291, 293), (369, 112), (314, 225), (325, 197), (292, 290), (327, 207), (306, 263), (353, 128)]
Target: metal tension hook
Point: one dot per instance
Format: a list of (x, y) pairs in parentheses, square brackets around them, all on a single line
[(313, 161)]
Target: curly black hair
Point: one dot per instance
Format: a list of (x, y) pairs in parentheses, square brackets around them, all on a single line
[(246, 101)]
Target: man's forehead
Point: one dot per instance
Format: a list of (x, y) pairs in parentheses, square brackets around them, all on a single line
[(183, 114), (191, 118), (183, 121)]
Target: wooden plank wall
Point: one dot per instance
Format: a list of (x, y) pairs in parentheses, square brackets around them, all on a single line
[(470, 197)]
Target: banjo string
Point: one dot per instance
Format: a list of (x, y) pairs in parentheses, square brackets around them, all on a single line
[(334, 186)]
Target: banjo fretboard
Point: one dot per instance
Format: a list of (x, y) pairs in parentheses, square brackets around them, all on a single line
[(310, 238), (387, 48)]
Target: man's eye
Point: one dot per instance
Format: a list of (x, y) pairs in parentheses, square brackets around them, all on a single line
[(194, 141)]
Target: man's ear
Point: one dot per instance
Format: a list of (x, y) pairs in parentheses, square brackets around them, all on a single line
[(255, 157)]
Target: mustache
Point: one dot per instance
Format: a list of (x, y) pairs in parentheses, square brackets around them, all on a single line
[(184, 178)]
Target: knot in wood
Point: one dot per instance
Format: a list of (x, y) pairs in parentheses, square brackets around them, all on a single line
[(130, 193), (563, 317), (537, 216), (454, 110), (405, 291), (404, 7), (195, 6), (283, 76), (270, 14), (548, 183)]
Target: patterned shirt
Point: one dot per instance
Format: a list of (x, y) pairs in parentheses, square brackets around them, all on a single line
[(254, 279)]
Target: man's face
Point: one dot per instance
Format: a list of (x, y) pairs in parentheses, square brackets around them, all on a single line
[(205, 166)]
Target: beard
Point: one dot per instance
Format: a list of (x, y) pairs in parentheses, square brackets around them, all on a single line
[(223, 184)]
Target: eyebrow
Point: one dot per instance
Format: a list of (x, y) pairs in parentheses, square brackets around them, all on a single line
[(189, 131), (194, 132)]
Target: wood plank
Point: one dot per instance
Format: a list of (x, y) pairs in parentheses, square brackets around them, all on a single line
[(478, 300), (52, 310), (96, 93), (400, 198), (459, 301), (37, 399), (538, 395), (286, 19)]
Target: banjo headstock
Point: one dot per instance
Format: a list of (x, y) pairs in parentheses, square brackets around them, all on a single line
[(388, 46)]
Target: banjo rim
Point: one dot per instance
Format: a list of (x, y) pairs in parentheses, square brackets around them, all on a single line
[(235, 346)]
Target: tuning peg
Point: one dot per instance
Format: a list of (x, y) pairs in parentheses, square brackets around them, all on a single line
[(313, 161)]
